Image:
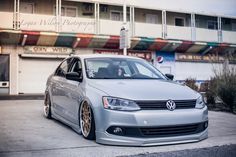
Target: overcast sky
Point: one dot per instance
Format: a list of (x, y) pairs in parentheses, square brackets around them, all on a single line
[(219, 7)]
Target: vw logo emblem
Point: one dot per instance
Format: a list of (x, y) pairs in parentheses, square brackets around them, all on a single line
[(170, 104)]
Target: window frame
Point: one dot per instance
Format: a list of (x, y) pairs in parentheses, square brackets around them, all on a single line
[(73, 61), (69, 66), (233, 26), (90, 5), (28, 3), (66, 6), (116, 11), (156, 18), (208, 21), (197, 23), (177, 17)]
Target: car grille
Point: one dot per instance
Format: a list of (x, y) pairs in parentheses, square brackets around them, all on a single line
[(160, 131), (161, 105), (170, 131)]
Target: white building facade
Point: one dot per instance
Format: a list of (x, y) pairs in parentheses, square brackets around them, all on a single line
[(36, 35)]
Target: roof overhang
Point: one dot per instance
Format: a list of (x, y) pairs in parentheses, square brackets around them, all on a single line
[(78, 40)]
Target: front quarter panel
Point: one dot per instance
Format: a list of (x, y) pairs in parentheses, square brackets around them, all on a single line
[(94, 98)]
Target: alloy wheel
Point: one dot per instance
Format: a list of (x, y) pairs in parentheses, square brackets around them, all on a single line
[(85, 119), (47, 107)]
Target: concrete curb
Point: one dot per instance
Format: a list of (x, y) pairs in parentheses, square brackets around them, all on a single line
[(22, 97)]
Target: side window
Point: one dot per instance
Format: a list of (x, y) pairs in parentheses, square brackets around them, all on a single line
[(76, 66), (63, 68)]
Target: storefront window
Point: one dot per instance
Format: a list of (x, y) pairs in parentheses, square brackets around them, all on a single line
[(4, 68)]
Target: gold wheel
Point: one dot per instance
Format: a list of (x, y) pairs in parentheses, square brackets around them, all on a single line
[(47, 107), (85, 119)]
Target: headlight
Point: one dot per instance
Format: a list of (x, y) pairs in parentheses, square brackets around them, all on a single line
[(119, 104), (200, 103)]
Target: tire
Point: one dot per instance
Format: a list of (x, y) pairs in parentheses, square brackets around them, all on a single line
[(47, 107), (87, 122)]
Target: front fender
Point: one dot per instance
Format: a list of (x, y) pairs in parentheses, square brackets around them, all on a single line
[(94, 98)]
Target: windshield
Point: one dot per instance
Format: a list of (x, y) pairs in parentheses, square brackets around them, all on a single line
[(120, 68)]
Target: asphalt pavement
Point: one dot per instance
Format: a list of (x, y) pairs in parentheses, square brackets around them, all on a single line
[(25, 132)]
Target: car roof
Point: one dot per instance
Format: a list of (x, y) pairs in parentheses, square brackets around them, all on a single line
[(86, 56)]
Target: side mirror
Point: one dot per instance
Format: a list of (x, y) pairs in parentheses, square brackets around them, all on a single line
[(169, 76), (74, 76)]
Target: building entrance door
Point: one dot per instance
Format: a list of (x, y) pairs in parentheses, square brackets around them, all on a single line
[(4, 74)]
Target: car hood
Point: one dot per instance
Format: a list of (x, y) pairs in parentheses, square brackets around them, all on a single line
[(144, 89)]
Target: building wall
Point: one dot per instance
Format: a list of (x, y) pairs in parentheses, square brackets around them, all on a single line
[(24, 76), (83, 51), (198, 71), (18, 75)]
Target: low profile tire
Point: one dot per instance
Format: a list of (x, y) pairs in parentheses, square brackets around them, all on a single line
[(47, 107), (87, 121)]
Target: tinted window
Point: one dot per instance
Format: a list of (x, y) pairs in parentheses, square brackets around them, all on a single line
[(63, 68), (76, 67)]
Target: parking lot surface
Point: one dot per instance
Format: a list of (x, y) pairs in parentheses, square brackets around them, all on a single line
[(24, 131)]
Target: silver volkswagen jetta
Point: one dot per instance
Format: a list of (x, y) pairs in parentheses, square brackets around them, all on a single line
[(122, 100)]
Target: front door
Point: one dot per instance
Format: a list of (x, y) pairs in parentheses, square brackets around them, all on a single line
[(58, 92), (4, 74), (74, 93)]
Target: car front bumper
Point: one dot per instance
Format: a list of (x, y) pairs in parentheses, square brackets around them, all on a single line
[(150, 119)]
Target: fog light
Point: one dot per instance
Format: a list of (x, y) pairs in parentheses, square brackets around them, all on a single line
[(118, 131), (206, 125)]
